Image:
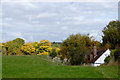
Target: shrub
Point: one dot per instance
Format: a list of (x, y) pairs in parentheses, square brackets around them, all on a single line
[(112, 53), (19, 52), (43, 53), (53, 53), (107, 59), (28, 49), (44, 47), (14, 45), (36, 46), (116, 54), (75, 49), (4, 51)]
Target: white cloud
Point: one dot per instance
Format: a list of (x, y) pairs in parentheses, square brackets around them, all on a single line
[(79, 18), (43, 15), (8, 19), (64, 28), (57, 22), (54, 21)]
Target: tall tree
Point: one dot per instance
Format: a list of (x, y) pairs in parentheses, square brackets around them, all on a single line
[(75, 49), (14, 45), (112, 34)]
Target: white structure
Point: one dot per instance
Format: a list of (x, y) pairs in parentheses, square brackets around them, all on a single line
[(57, 59), (100, 59)]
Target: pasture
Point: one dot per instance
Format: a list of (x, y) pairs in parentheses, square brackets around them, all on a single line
[(33, 66)]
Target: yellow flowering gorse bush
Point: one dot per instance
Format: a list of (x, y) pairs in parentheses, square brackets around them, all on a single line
[(44, 47), (28, 48)]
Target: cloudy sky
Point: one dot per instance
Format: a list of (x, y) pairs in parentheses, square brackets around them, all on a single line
[(55, 21)]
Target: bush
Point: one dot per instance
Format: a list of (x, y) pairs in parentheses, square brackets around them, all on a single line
[(75, 49), (4, 51), (116, 54), (19, 52), (78, 57), (36, 46), (28, 49), (112, 53), (107, 59), (14, 45), (43, 53), (53, 53), (44, 47)]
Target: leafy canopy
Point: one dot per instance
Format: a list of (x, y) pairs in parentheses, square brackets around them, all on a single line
[(112, 34), (14, 45), (75, 49)]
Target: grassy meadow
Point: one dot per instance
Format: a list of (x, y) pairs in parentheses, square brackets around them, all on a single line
[(34, 66)]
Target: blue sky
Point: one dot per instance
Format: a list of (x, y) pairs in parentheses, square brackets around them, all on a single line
[(55, 21)]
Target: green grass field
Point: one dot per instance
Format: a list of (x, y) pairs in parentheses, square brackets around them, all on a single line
[(41, 67)]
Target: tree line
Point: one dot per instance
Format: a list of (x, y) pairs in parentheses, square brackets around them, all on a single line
[(75, 49), (19, 47)]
